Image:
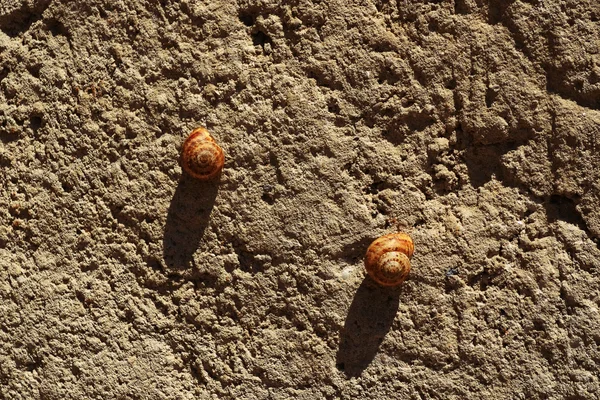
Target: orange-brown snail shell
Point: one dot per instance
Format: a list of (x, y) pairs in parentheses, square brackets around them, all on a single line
[(388, 259), (201, 156)]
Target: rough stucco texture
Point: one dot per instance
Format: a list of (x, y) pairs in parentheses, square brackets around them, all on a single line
[(474, 125)]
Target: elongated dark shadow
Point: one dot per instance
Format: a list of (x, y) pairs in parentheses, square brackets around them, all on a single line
[(187, 218), (369, 319)]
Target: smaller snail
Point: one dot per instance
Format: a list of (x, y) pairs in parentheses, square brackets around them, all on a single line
[(201, 156), (388, 258)]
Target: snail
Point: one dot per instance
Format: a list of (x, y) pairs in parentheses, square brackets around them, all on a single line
[(388, 258), (201, 156)]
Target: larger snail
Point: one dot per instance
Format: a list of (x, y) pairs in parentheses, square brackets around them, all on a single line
[(388, 258), (201, 156)]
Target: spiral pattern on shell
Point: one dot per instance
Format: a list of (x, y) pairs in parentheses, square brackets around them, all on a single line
[(388, 259), (201, 156)]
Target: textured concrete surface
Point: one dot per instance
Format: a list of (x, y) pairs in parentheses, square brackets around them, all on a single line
[(473, 125)]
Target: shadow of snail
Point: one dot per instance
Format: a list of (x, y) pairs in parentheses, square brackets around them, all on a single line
[(189, 212), (375, 303)]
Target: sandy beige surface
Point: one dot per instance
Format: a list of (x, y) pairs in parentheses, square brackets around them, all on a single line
[(473, 124)]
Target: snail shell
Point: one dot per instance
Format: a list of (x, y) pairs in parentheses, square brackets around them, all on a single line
[(201, 156), (388, 258)]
